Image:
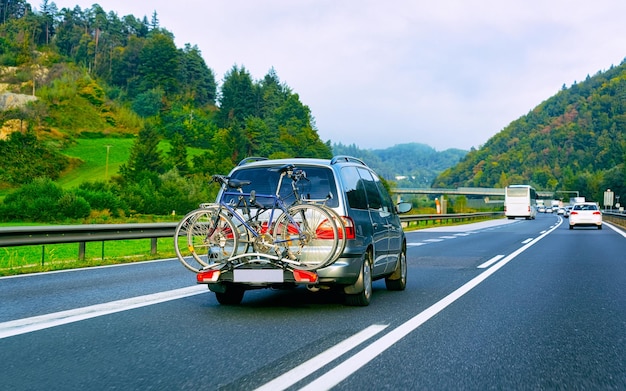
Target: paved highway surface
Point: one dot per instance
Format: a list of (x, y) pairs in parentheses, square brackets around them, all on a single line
[(505, 304)]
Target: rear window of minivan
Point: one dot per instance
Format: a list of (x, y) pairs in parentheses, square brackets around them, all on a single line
[(318, 185)]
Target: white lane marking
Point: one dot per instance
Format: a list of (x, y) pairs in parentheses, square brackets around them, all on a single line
[(463, 234), (619, 231), (433, 240), (305, 369), (416, 244), (527, 240), (447, 237), (27, 325), (354, 363), (490, 262)]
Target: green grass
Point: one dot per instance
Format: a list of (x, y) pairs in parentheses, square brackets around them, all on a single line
[(93, 154)]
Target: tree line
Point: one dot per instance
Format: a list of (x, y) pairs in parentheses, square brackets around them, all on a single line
[(98, 74)]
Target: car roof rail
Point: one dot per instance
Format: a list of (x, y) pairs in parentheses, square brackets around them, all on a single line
[(251, 159), (346, 158)]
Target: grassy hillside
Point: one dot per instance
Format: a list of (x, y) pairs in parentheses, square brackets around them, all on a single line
[(91, 155)]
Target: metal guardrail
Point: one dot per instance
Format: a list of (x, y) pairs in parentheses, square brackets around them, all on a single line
[(615, 218), (447, 218), (81, 234)]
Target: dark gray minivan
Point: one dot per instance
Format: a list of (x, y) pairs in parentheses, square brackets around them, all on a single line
[(375, 246)]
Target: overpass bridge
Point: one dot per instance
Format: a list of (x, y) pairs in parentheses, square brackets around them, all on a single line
[(476, 191)]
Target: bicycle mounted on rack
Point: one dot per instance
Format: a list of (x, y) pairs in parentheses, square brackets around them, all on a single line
[(249, 228)]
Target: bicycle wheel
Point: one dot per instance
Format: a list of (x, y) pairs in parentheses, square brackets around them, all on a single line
[(341, 231), (307, 235), (211, 237), (180, 243)]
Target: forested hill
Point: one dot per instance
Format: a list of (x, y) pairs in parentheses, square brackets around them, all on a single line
[(96, 74), (573, 141), (411, 164)]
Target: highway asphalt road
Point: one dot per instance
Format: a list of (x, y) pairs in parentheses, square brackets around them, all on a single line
[(504, 304)]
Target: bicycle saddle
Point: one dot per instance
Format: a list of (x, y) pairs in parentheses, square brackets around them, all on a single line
[(237, 183)]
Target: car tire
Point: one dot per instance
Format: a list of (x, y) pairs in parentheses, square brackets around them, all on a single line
[(232, 295), (571, 226), (363, 298), (397, 280), (600, 226)]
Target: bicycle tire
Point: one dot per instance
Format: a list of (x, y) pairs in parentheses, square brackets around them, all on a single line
[(341, 231), (307, 235), (180, 243), (339, 221), (210, 237)]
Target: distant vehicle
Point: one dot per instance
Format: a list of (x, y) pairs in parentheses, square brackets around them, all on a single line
[(520, 201), (561, 211), (541, 209), (568, 209), (585, 214)]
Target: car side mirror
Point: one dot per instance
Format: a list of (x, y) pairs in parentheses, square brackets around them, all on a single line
[(404, 207)]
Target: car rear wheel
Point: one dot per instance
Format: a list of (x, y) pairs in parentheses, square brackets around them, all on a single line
[(397, 280), (363, 298), (232, 295)]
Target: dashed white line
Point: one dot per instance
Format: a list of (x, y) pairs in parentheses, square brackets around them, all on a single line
[(490, 262), (527, 240)]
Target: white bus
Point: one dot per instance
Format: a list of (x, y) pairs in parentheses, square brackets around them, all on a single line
[(520, 201)]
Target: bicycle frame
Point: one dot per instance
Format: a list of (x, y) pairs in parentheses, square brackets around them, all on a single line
[(277, 203)]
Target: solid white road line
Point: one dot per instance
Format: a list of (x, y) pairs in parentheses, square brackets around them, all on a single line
[(619, 231), (301, 371), (354, 363), (27, 325)]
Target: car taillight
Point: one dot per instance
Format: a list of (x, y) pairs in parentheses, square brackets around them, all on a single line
[(597, 213), (348, 223), (208, 276), (325, 230), (573, 213), (304, 276)]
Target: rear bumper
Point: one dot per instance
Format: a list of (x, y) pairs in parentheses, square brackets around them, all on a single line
[(344, 271)]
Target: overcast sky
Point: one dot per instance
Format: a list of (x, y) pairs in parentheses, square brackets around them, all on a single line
[(450, 73)]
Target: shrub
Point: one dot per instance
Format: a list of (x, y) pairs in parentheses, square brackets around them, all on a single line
[(73, 206)]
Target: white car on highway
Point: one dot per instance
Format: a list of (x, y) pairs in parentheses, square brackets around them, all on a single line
[(585, 214)]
